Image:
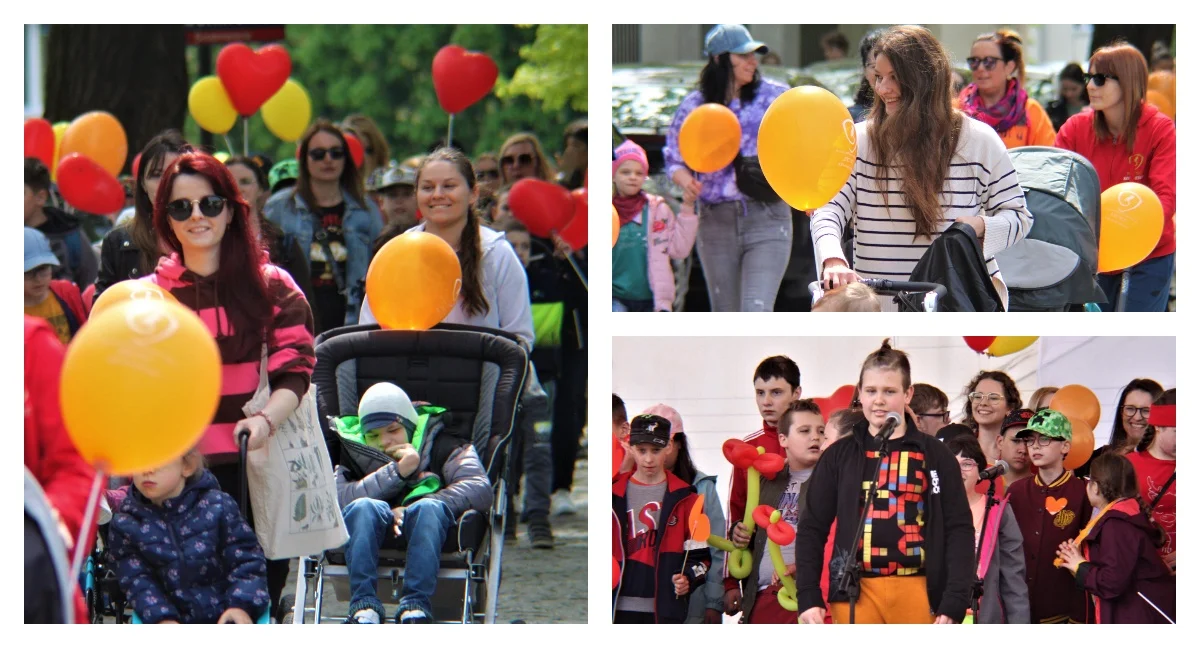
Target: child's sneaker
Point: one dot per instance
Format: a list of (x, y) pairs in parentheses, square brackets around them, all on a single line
[(367, 616), (561, 504)]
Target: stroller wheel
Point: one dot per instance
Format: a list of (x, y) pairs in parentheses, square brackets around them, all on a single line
[(283, 614)]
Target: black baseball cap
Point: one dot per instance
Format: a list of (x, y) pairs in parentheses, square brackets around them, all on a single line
[(649, 428), (950, 431), (1017, 417)]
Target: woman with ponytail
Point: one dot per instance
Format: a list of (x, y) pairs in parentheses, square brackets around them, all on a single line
[(997, 94)]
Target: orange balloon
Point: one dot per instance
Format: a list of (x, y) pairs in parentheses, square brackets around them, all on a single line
[(710, 138), (616, 226), (807, 144), (1161, 101), (1164, 82), (414, 282), (1079, 402), (130, 289), (1131, 222), (1083, 443), (99, 136)]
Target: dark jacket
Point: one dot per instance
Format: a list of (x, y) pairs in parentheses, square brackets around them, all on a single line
[(190, 559), (671, 542), (1123, 561), (547, 292), (955, 260), (834, 493), (119, 260), (76, 257), (769, 492), (1052, 596)]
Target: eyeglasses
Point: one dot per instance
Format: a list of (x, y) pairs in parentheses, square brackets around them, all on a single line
[(210, 206), (944, 416), (968, 464), (487, 174), (1100, 79), (523, 159), (989, 62), (977, 397), (318, 154), (41, 272), (1131, 411), (1039, 440)]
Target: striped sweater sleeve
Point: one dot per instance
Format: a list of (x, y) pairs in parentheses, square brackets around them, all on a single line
[(1006, 218), (290, 355), (830, 221)]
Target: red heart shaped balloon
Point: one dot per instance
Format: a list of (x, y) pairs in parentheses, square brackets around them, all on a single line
[(86, 186), (575, 232), (839, 400), (39, 141), (460, 78), (356, 149), (543, 206), (252, 77)]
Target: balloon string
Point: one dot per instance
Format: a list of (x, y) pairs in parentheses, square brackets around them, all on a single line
[(89, 514), (450, 130), (245, 136), (578, 272), (228, 145)]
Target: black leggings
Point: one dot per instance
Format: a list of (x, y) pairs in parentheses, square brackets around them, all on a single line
[(229, 478)]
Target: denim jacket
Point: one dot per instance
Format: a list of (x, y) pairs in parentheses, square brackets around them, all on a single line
[(360, 226)]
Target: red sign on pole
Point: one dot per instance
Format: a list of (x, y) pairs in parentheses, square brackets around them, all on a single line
[(219, 34)]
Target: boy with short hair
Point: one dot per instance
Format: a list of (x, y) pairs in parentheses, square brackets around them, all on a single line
[(650, 533), (930, 404), (77, 261), (1051, 507), (776, 386), (801, 432), (1013, 451)]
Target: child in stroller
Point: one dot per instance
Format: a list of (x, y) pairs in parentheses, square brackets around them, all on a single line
[(402, 475)]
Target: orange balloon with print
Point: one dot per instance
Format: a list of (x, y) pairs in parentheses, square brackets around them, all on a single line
[(130, 289), (1083, 443), (807, 145), (413, 282), (710, 138), (1161, 101), (1079, 402), (1131, 223), (99, 136)]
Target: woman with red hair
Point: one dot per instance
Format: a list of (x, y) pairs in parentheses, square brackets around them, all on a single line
[(1129, 140), (218, 268)]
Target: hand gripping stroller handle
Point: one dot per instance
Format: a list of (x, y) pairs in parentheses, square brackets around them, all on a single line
[(892, 287), (243, 439)]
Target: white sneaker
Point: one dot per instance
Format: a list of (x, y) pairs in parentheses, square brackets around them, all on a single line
[(413, 616), (561, 504), (367, 616)]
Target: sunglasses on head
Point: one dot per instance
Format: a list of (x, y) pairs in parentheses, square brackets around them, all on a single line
[(318, 154), (1100, 79), (181, 210), (487, 174), (989, 62), (523, 159)]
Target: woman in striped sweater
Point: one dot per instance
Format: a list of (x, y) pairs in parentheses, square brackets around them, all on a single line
[(922, 166), (217, 267)]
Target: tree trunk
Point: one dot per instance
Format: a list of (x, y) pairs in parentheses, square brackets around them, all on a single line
[(136, 72), (1140, 36)]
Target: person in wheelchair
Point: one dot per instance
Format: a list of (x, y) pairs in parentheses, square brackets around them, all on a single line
[(401, 476)]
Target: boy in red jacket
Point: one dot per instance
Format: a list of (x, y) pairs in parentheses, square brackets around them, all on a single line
[(650, 512)]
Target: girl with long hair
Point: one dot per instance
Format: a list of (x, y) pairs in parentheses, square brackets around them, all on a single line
[(997, 94)]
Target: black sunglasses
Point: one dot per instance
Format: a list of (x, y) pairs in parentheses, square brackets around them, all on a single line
[(318, 154), (181, 210), (523, 159), (487, 174), (1100, 79), (989, 62)]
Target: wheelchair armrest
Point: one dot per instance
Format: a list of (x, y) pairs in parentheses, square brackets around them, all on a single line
[(470, 525)]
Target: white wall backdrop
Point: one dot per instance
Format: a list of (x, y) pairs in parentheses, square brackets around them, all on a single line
[(710, 379)]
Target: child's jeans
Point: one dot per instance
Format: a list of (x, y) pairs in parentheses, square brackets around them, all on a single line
[(369, 523)]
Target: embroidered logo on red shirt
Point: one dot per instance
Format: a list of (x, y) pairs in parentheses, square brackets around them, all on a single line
[(1137, 160)]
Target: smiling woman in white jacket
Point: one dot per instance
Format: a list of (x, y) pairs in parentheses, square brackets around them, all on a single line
[(495, 292)]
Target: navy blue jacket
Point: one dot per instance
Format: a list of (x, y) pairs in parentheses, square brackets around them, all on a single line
[(190, 559)]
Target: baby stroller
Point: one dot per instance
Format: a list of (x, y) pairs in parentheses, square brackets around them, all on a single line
[(478, 375), (911, 296)]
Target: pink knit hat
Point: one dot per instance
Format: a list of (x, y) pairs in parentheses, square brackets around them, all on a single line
[(628, 150), (669, 413)]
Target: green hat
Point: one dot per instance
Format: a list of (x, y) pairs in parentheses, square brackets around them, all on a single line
[(287, 169), (1047, 423)]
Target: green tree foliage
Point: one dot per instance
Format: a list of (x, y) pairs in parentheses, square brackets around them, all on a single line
[(555, 68)]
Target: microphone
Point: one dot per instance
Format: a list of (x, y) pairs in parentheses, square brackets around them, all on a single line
[(889, 426), (995, 471)]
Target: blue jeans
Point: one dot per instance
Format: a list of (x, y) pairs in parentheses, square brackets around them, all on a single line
[(745, 253), (1149, 286), (369, 523)]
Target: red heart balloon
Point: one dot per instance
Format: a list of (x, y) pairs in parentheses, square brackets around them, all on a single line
[(979, 344), (39, 141), (543, 206), (86, 186), (575, 232), (839, 400), (356, 149), (460, 78), (252, 77)]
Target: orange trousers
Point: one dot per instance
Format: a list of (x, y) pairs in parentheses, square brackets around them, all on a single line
[(888, 599)]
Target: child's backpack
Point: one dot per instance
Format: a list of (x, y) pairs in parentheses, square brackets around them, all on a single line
[(1055, 265)]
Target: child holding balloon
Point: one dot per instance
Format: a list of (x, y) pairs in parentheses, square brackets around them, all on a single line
[(650, 236)]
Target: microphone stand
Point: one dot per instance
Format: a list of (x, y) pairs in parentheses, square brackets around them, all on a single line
[(977, 586), (849, 581)]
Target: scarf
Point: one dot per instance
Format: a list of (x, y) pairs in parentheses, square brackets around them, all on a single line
[(628, 207), (1008, 112), (1086, 530)]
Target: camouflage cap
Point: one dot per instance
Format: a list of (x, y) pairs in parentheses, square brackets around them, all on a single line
[(287, 169), (1048, 423)]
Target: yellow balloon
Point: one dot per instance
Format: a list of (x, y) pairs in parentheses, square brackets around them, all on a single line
[(710, 138), (1131, 223), (209, 104), (140, 383), (128, 290), (413, 282), (288, 112), (59, 129), (806, 146), (1009, 344)]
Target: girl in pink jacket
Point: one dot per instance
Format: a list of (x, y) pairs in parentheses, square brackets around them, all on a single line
[(650, 236)]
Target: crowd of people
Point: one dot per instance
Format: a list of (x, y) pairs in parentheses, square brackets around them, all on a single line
[(271, 255), (901, 515), (932, 153)]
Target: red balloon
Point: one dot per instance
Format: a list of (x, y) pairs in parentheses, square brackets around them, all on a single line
[(769, 464), (762, 515), (979, 344), (575, 233), (739, 453), (86, 186), (356, 149), (616, 573), (839, 400), (39, 141), (252, 77), (544, 207), (460, 78), (781, 533)]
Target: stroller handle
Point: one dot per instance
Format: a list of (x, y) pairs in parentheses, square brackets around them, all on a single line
[(890, 286)]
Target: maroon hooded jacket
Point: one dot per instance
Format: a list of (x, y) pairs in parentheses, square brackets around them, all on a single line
[(1123, 562)]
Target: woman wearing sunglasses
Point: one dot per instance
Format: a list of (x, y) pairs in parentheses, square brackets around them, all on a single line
[(217, 267), (522, 157), (1129, 140), (1130, 423), (991, 395), (997, 94), (327, 214)]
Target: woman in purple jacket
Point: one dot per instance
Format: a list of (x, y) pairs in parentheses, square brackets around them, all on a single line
[(744, 241)]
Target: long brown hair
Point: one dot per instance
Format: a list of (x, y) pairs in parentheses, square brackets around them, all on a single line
[(141, 228), (349, 180), (1119, 438), (1116, 478), (1012, 395), (1125, 62), (470, 249), (920, 139), (544, 170), (1009, 43)]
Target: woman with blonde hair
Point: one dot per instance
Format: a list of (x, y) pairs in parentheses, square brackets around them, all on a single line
[(375, 147), (522, 156)]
